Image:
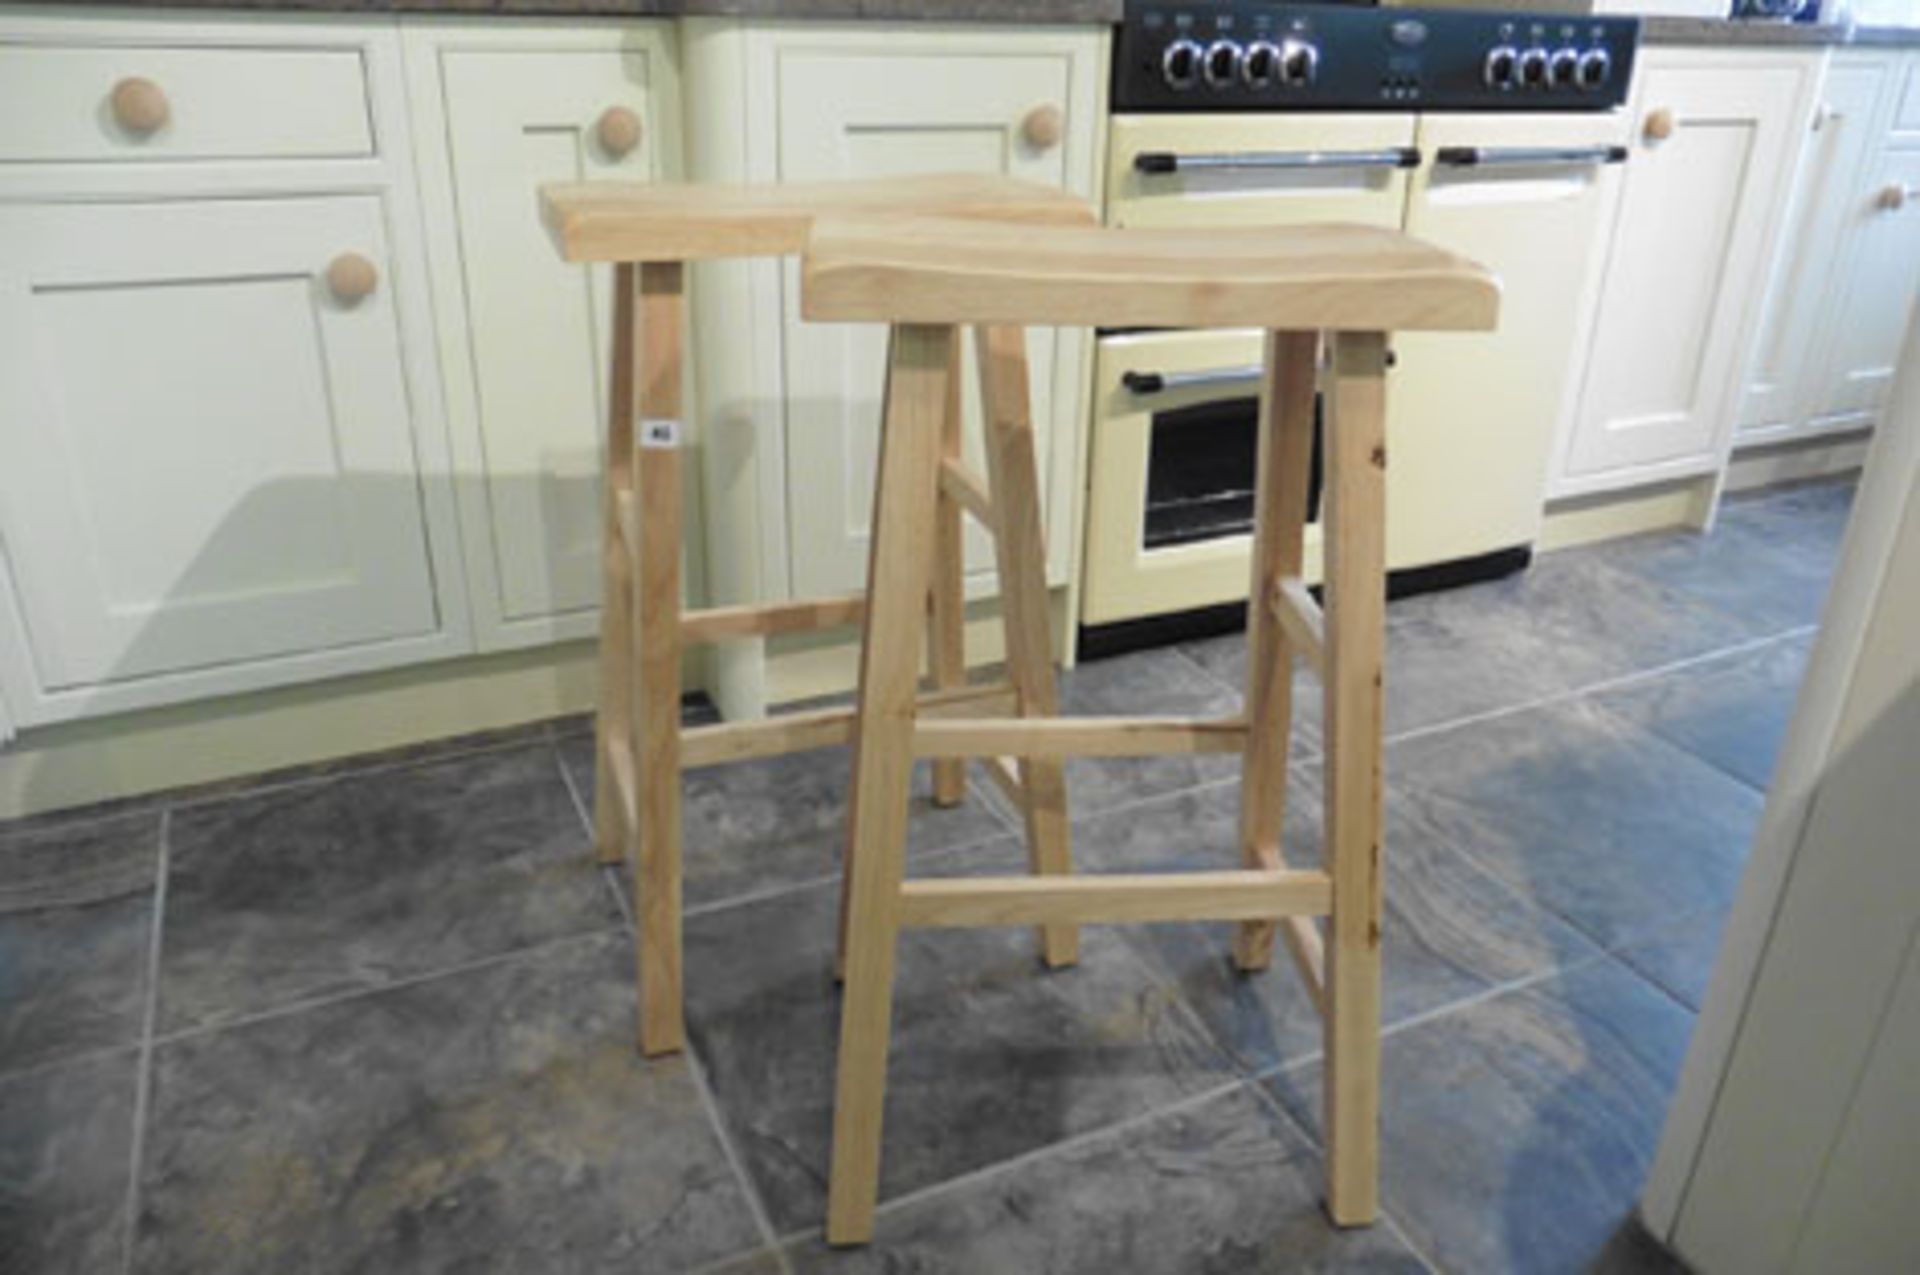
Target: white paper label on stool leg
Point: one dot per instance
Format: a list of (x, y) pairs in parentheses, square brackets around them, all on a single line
[(659, 433)]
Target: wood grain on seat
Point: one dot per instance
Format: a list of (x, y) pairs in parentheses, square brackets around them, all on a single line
[(681, 221), (905, 269)]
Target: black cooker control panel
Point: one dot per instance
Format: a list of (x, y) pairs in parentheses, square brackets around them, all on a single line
[(1242, 55)]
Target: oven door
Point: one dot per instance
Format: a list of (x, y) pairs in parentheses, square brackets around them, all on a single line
[(1170, 475)]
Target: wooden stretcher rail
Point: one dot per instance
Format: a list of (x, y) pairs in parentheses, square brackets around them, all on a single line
[(1004, 777), (1077, 737), (818, 728), (1301, 620), (1241, 894), (1302, 939), (720, 624), (966, 490)]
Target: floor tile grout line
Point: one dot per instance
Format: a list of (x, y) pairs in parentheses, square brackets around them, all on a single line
[(762, 1219), (149, 1017), (411, 980), (607, 875)]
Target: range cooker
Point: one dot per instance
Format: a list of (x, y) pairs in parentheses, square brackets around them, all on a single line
[(1497, 135)]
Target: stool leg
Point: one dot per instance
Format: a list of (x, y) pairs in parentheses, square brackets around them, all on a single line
[(1355, 642), (657, 619), (614, 717), (899, 568), (947, 635), (1020, 549), (1280, 521)]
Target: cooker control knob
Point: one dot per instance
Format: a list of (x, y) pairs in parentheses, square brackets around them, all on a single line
[(1596, 68), (1501, 66), (1299, 62), (1180, 64), (1222, 64), (1261, 67), (1563, 68), (1533, 68)]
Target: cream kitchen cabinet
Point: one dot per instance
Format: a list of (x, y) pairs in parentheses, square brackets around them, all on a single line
[(1718, 135), (1844, 284), (220, 444), (816, 102), (523, 337)]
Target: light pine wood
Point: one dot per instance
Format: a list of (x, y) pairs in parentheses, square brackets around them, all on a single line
[(1043, 127), (139, 106), (657, 883), (1057, 737), (920, 366), (1284, 455), (1001, 773), (1176, 896), (614, 820), (720, 624), (820, 727), (1309, 953), (351, 278), (1301, 619), (947, 602), (618, 131), (961, 486), (940, 270), (618, 221), (1356, 640), (1021, 558)]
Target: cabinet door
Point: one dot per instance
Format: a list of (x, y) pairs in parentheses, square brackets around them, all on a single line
[(845, 114), (526, 384), (1679, 298), (1805, 276), (1867, 330), (206, 457)]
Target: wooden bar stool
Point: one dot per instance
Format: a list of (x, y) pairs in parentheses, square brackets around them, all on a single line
[(1353, 284), (650, 232)]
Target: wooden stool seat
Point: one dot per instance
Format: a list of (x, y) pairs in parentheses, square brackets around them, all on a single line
[(686, 221), (649, 233), (912, 269), (1341, 287)]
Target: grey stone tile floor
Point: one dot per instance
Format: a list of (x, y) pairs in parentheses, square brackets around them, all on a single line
[(377, 1015)]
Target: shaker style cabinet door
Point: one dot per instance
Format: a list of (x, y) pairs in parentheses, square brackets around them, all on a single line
[(1868, 327), (207, 453), (929, 105), (524, 335), (1806, 274), (1702, 196)]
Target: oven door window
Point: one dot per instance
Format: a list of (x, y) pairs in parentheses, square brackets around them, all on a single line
[(1200, 467)]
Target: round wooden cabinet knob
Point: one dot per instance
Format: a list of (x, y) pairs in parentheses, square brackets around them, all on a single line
[(139, 106), (618, 130), (1658, 126), (1893, 198), (1043, 127), (351, 278)]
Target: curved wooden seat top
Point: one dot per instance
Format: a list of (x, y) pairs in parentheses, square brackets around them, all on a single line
[(693, 221), (945, 271)]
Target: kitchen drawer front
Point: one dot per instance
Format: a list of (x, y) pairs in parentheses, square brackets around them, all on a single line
[(1358, 180), (227, 103)]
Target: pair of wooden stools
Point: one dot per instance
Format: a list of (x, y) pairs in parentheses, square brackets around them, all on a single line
[(928, 255)]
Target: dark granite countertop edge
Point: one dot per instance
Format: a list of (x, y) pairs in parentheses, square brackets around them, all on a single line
[(1011, 12)]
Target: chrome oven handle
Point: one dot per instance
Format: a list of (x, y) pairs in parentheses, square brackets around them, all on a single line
[(1491, 156), (1162, 382), (1157, 162)]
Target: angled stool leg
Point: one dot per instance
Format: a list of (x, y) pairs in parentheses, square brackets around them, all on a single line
[(613, 825), (1013, 479), (947, 633), (657, 618), (1280, 521), (1355, 642), (899, 568)]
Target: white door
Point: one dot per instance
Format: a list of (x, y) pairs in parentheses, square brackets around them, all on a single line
[(1472, 417), (845, 113), (527, 385), (1805, 283), (206, 457), (1678, 301), (1868, 328)]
